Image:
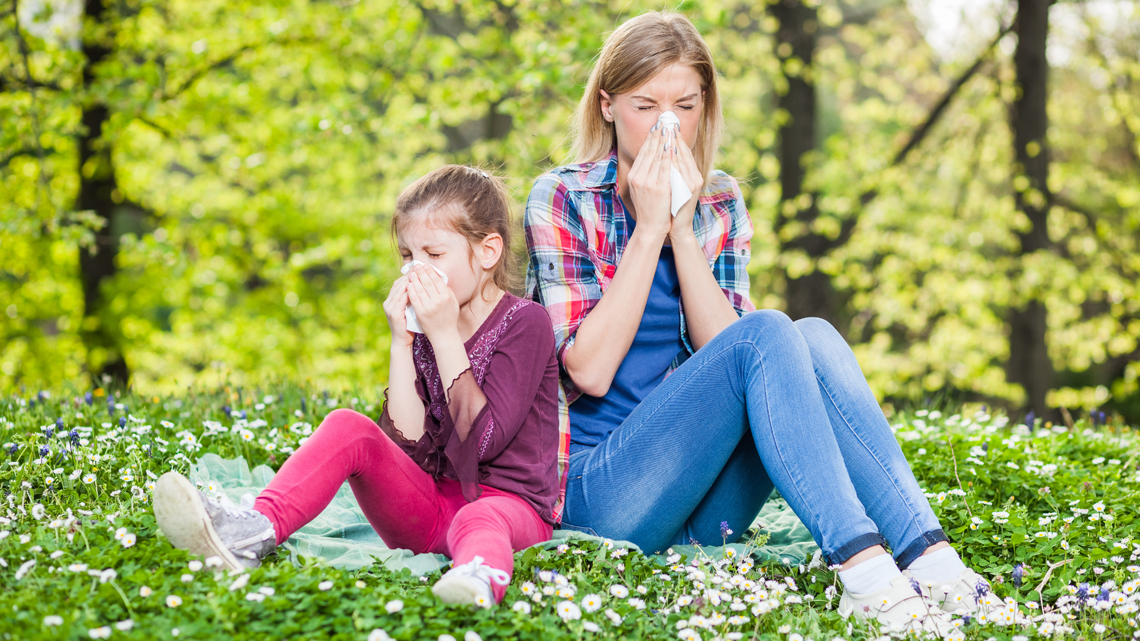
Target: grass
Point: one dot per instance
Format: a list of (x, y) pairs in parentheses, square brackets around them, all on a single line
[(1048, 515)]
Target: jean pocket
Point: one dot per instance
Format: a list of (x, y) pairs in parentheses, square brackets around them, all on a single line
[(578, 528)]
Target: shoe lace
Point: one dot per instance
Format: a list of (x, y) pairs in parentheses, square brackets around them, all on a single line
[(242, 510), (486, 572)]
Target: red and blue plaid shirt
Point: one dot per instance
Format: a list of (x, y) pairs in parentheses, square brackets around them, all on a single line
[(576, 233)]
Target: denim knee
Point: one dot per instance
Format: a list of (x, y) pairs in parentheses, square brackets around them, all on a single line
[(817, 331), (762, 325)]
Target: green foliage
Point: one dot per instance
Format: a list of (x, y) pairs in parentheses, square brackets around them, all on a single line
[(258, 147), (1060, 503)]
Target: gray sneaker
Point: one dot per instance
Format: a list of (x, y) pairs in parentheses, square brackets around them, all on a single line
[(193, 521)]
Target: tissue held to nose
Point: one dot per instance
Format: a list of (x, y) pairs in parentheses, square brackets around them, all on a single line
[(669, 118), (410, 314), (680, 191)]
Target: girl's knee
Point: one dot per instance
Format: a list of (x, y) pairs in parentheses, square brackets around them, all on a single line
[(346, 423), (344, 415)]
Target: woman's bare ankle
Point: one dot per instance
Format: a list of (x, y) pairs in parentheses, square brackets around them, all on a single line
[(865, 555), (936, 547)]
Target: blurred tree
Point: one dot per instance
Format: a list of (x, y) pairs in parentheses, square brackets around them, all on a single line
[(98, 194), (1029, 362), (251, 153), (811, 293)]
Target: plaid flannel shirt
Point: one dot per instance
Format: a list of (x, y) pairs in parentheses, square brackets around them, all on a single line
[(576, 233)]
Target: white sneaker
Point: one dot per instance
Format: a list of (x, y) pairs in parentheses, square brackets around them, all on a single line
[(899, 607), (469, 584), (966, 596), (193, 521)]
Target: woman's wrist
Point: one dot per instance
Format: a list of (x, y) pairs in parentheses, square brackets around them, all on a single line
[(649, 235), (683, 236)]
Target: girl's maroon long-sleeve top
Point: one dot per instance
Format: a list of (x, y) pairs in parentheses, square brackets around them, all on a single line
[(497, 423)]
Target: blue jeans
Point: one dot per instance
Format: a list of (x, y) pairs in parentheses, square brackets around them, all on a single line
[(767, 403)]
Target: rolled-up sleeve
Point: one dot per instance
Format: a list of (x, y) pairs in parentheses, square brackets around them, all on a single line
[(560, 272), (731, 267)]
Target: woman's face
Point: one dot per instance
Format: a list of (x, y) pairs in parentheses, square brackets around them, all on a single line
[(675, 88)]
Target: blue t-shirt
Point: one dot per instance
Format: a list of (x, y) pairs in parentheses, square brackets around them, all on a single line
[(657, 343)]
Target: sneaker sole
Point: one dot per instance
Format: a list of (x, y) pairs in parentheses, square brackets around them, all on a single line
[(183, 519), (456, 591)]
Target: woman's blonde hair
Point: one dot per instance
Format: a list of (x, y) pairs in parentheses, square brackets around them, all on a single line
[(632, 55)]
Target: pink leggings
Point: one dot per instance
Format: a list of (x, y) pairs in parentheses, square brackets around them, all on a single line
[(406, 506)]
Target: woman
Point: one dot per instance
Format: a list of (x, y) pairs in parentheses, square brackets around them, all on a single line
[(682, 406)]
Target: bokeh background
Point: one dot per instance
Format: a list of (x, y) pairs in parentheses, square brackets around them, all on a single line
[(198, 191)]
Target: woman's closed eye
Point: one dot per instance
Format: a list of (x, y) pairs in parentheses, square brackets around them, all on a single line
[(685, 107)]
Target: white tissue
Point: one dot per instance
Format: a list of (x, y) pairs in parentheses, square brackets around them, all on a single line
[(681, 193), (410, 314)]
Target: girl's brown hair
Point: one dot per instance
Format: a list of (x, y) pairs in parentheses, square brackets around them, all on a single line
[(466, 200), (632, 55)]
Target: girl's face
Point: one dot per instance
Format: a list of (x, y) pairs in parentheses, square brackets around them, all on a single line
[(451, 253), (675, 88)]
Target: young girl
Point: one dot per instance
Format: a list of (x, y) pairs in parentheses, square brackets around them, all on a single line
[(463, 461)]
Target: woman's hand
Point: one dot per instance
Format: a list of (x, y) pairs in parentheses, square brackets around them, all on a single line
[(437, 309), (685, 163), (649, 181), (394, 307)]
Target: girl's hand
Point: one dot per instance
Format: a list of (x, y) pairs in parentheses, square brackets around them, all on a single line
[(687, 165), (437, 309), (394, 307), (649, 181)]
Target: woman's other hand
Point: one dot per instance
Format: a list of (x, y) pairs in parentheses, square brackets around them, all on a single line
[(394, 307), (683, 160), (436, 307)]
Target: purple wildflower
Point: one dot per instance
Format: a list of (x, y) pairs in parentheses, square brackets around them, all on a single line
[(1083, 593)]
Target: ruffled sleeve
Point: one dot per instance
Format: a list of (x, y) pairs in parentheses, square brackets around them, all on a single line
[(469, 424), (483, 421), (426, 451)]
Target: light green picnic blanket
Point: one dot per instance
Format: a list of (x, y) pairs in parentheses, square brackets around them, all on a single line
[(343, 537)]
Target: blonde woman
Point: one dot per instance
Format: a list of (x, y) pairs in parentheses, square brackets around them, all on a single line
[(682, 406)]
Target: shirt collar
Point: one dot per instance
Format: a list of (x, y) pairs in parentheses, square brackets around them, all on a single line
[(602, 174)]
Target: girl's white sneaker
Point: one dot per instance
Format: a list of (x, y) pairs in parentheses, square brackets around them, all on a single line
[(470, 584)]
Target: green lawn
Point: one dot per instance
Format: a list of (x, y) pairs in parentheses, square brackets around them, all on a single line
[(1049, 515)]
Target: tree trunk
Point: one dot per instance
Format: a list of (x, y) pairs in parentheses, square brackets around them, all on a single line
[(1029, 363), (810, 294), (96, 193)]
